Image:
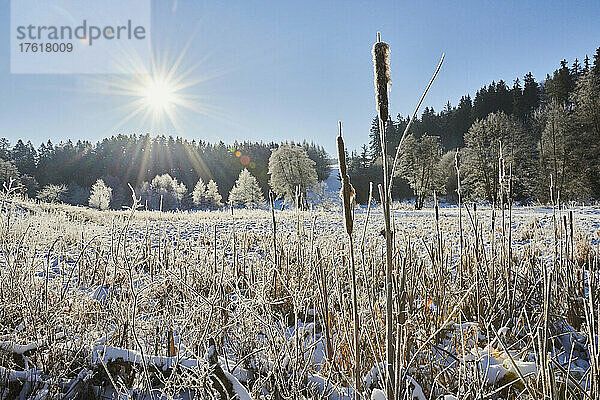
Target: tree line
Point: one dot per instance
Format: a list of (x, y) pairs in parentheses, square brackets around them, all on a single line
[(542, 138), (152, 165)]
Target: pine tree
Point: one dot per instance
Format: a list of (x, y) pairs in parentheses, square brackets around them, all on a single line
[(4, 149), (596, 64), (246, 191), (586, 64), (375, 139), (463, 119), (320, 157), (561, 85), (364, 160), (518, 108), (213, 197), (576, 68), (24, 157), (586, 99), (503, 98), (531, 94)]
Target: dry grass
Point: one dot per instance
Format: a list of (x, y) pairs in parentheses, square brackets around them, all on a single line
[(164, 284)]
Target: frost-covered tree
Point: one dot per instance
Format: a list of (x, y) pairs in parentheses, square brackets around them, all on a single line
[(120, 193), (246, 191), (8, 172), (100, 196), (213, 197), (199, 193), (561, 155), (164, 192), (420, 166), (479, 169), (52, 193), (291, 169), (587, 113), (449, 179)]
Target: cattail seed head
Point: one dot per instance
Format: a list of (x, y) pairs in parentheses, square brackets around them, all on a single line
[(347, 191), (383, 80)]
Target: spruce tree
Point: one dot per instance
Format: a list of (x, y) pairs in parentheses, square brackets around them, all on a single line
[(246, 191), (213, 197), (586, 99), (199, 193), (531, 94), (518, 108)]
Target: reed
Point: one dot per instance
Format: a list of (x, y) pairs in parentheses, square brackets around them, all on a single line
[(381, 60), (382, 80), (347, 193)]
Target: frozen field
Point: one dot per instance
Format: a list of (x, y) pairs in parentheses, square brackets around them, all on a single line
[(207, 304)]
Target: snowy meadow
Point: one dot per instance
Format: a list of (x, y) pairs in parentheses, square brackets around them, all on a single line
[(257, 303)]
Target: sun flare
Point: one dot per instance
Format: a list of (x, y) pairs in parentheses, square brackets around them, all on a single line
[(159, 94)]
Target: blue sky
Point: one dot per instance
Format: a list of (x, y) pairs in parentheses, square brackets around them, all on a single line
[(291, 70)]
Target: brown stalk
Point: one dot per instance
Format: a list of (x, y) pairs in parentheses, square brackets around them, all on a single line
[(381, 52), (347, 193)]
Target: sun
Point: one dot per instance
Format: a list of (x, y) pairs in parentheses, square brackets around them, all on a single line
[(159, 94)]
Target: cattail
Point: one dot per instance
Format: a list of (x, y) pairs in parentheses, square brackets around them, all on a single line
[(347, 190), (347, 196), (381, 64), (383, 80)]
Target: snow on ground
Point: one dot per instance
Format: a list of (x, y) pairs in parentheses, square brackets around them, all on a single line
[(179, 235)]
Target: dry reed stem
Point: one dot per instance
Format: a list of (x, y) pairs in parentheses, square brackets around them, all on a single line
[(347, 193)]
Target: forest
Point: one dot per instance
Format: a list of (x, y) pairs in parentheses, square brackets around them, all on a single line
[(547, 128), (134, 159)]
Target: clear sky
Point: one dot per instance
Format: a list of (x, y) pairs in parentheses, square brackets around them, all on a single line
[(289, 70)]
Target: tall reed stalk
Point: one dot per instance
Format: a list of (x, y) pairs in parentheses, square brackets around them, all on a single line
[(381, 61), (382, 81), (348, 200)]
